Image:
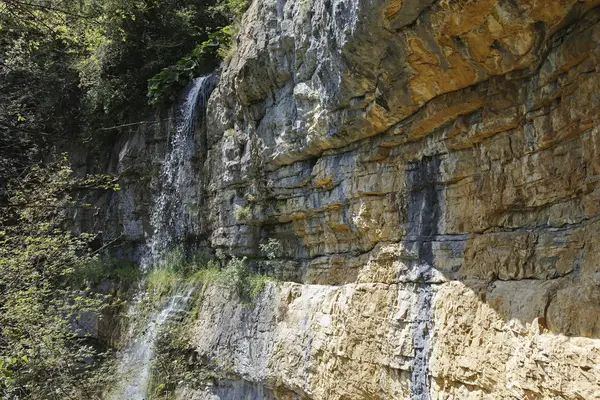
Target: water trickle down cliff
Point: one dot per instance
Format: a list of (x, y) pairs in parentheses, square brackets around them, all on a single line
[(170, 220), (133, 375), (431, 171), (170, 217)]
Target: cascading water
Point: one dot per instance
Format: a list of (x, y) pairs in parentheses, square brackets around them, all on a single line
[(170, 213), (170, 220), (135, 365)]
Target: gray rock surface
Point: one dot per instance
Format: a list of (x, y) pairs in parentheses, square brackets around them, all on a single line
[(431, 170)]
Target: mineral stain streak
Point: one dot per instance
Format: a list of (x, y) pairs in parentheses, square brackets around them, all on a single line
[(424, 214)]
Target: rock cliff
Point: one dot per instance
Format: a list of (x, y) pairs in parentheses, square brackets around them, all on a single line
[(432, 171)]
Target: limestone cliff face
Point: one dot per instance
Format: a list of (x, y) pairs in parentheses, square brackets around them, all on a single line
[(432, 170)]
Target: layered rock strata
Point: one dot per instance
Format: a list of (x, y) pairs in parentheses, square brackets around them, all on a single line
[(432, 171)]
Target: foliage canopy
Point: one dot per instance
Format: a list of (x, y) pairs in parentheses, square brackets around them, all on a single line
[(71, 73), (45, 348), (73, 70)]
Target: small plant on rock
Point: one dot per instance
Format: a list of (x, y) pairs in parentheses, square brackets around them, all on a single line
[(236, 274), (271, 249), (243, 214)]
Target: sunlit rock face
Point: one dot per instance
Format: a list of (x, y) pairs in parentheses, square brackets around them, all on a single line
[(432, 171)]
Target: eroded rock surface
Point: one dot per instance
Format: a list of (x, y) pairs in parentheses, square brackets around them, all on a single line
[(432, 170)]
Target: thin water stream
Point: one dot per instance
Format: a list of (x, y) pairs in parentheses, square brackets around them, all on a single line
[(135, 367), (170, 214), (169, 220)]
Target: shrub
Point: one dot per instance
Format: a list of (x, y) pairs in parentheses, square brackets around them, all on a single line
[(235, 274)]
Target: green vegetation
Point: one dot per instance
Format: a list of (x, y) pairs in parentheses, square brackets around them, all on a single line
[(99, 55), (220, 44), (177, 270), (234, 9), (163, 281), (243, 214), (211, 274), (256, 284), (271, 249), (45, 352), (101, 268)]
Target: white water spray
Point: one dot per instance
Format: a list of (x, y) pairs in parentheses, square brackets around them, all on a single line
[(136, 363), (170, 220), (170, 214)]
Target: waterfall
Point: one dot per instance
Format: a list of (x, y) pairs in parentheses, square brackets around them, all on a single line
[(170, 220), (170, 212), (136, 364)]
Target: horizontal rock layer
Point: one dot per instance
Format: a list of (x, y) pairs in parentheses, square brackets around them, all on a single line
[(432, 170)]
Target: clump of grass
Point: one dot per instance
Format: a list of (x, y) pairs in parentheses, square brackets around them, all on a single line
[(256, 284), (164, 277), (210, 274), (238, 276), (162, 281), (177, 270), (235, 274)]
